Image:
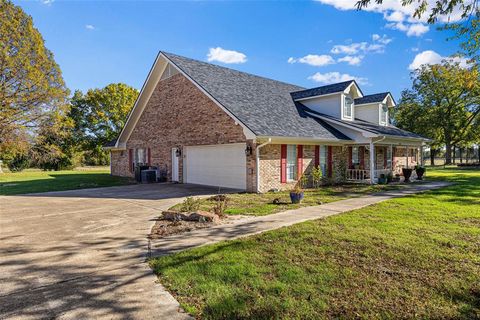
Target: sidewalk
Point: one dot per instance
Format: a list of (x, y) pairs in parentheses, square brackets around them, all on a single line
[(253, 225)]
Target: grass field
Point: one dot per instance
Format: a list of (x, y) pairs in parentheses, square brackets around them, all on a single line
[(31, 181), (411, 257), (262, 204)]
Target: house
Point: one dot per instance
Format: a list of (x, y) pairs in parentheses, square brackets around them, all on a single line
[(211, 125)]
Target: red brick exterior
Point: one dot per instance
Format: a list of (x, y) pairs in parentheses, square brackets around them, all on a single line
[(178, 114)]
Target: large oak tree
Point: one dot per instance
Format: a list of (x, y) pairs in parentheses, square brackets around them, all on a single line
[(443, 104), (31, 84)]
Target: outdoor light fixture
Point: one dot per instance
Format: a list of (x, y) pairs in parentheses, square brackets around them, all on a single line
[(248, 150), (178, 152)]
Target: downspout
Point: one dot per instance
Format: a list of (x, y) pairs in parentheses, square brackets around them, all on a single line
[(257, 162)]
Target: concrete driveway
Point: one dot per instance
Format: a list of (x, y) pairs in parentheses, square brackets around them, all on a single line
[(80, 254)]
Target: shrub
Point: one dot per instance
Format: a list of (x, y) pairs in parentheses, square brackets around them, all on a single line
[(18, 163), (190, 204), (317, 176), (220, 205)]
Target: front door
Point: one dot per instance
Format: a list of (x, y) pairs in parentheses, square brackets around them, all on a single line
[(174, 165)]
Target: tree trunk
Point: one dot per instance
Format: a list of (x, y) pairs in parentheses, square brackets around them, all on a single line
[(461, 154), (432, 156), (448, 154)]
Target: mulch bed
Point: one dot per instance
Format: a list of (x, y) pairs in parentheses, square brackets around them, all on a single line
[(163, 228)]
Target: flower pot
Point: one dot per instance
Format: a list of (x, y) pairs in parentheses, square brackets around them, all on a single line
[(420, 171), (382, 180), (296, 197), (407, 173)]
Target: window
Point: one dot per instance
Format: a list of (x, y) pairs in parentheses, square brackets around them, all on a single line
[(141, 155), (355, 159), (323, 159), (291, 162), (348, 107), (384, 114)]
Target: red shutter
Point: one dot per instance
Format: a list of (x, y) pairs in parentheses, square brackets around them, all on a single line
[(130, 160), (149, 157), (350, 150), (299, 161), (283, 164), (317, 156), (330, 161), (361, 155)]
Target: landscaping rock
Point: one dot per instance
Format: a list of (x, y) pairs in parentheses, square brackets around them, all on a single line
[(203, 216), (174, 216)]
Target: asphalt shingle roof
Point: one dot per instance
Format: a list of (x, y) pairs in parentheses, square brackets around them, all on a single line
[(264, 105), (371, 98), (331, 88), (370, 127)]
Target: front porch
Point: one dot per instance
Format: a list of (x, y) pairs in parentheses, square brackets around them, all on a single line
[(386, 159)]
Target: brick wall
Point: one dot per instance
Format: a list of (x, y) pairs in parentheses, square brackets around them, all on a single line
[(178, 114), (270, 165)]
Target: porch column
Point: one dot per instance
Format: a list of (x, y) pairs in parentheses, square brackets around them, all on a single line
[(372, 162), (421, 155), (391, 157), (407, 155)]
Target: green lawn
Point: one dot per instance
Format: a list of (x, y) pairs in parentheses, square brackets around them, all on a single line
[(411, 257), (30, 181), (262, 204)]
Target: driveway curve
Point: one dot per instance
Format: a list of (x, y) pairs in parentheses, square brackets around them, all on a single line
[(81, 254)]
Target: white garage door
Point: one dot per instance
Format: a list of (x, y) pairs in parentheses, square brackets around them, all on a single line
[(216, 165)]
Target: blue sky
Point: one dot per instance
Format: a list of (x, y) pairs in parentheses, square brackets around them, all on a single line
[(308, 43)]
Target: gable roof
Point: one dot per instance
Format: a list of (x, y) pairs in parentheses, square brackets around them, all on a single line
[(263, 105), (372, 98), (323, 90)]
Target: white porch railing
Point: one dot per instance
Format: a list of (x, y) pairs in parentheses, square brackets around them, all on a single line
[(358, 174)]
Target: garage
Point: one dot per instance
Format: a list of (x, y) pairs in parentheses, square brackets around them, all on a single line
[(216, 165)]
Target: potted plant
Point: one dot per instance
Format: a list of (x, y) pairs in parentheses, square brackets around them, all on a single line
[(297, 194), (382, 179), (420, 171), (407, 173), (389, 177)]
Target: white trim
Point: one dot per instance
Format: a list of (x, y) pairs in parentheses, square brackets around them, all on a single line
[(302, 140), (319, 96)]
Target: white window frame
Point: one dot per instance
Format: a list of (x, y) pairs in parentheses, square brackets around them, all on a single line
[(344, 108), (322, 157), (291, 160), (355, 156), (141, 154), (383, 114)]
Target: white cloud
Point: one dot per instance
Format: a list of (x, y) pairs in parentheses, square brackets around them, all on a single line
[(352, 60), (334, 77), (89, 27), (399, 17), (415, 49), (314, 60), (430, 57), (381, 39), (47, 2), (358, 47), (226, 56), (416, 29)]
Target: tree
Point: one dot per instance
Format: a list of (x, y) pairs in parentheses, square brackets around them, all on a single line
[(53, 148), (31, 84), (99, 116), (467, 29), (444, 104)]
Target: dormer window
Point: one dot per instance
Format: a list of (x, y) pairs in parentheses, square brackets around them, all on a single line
[(384, 114), (348, 107)]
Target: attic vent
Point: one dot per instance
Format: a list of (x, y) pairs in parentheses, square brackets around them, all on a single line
[(169, 71)]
